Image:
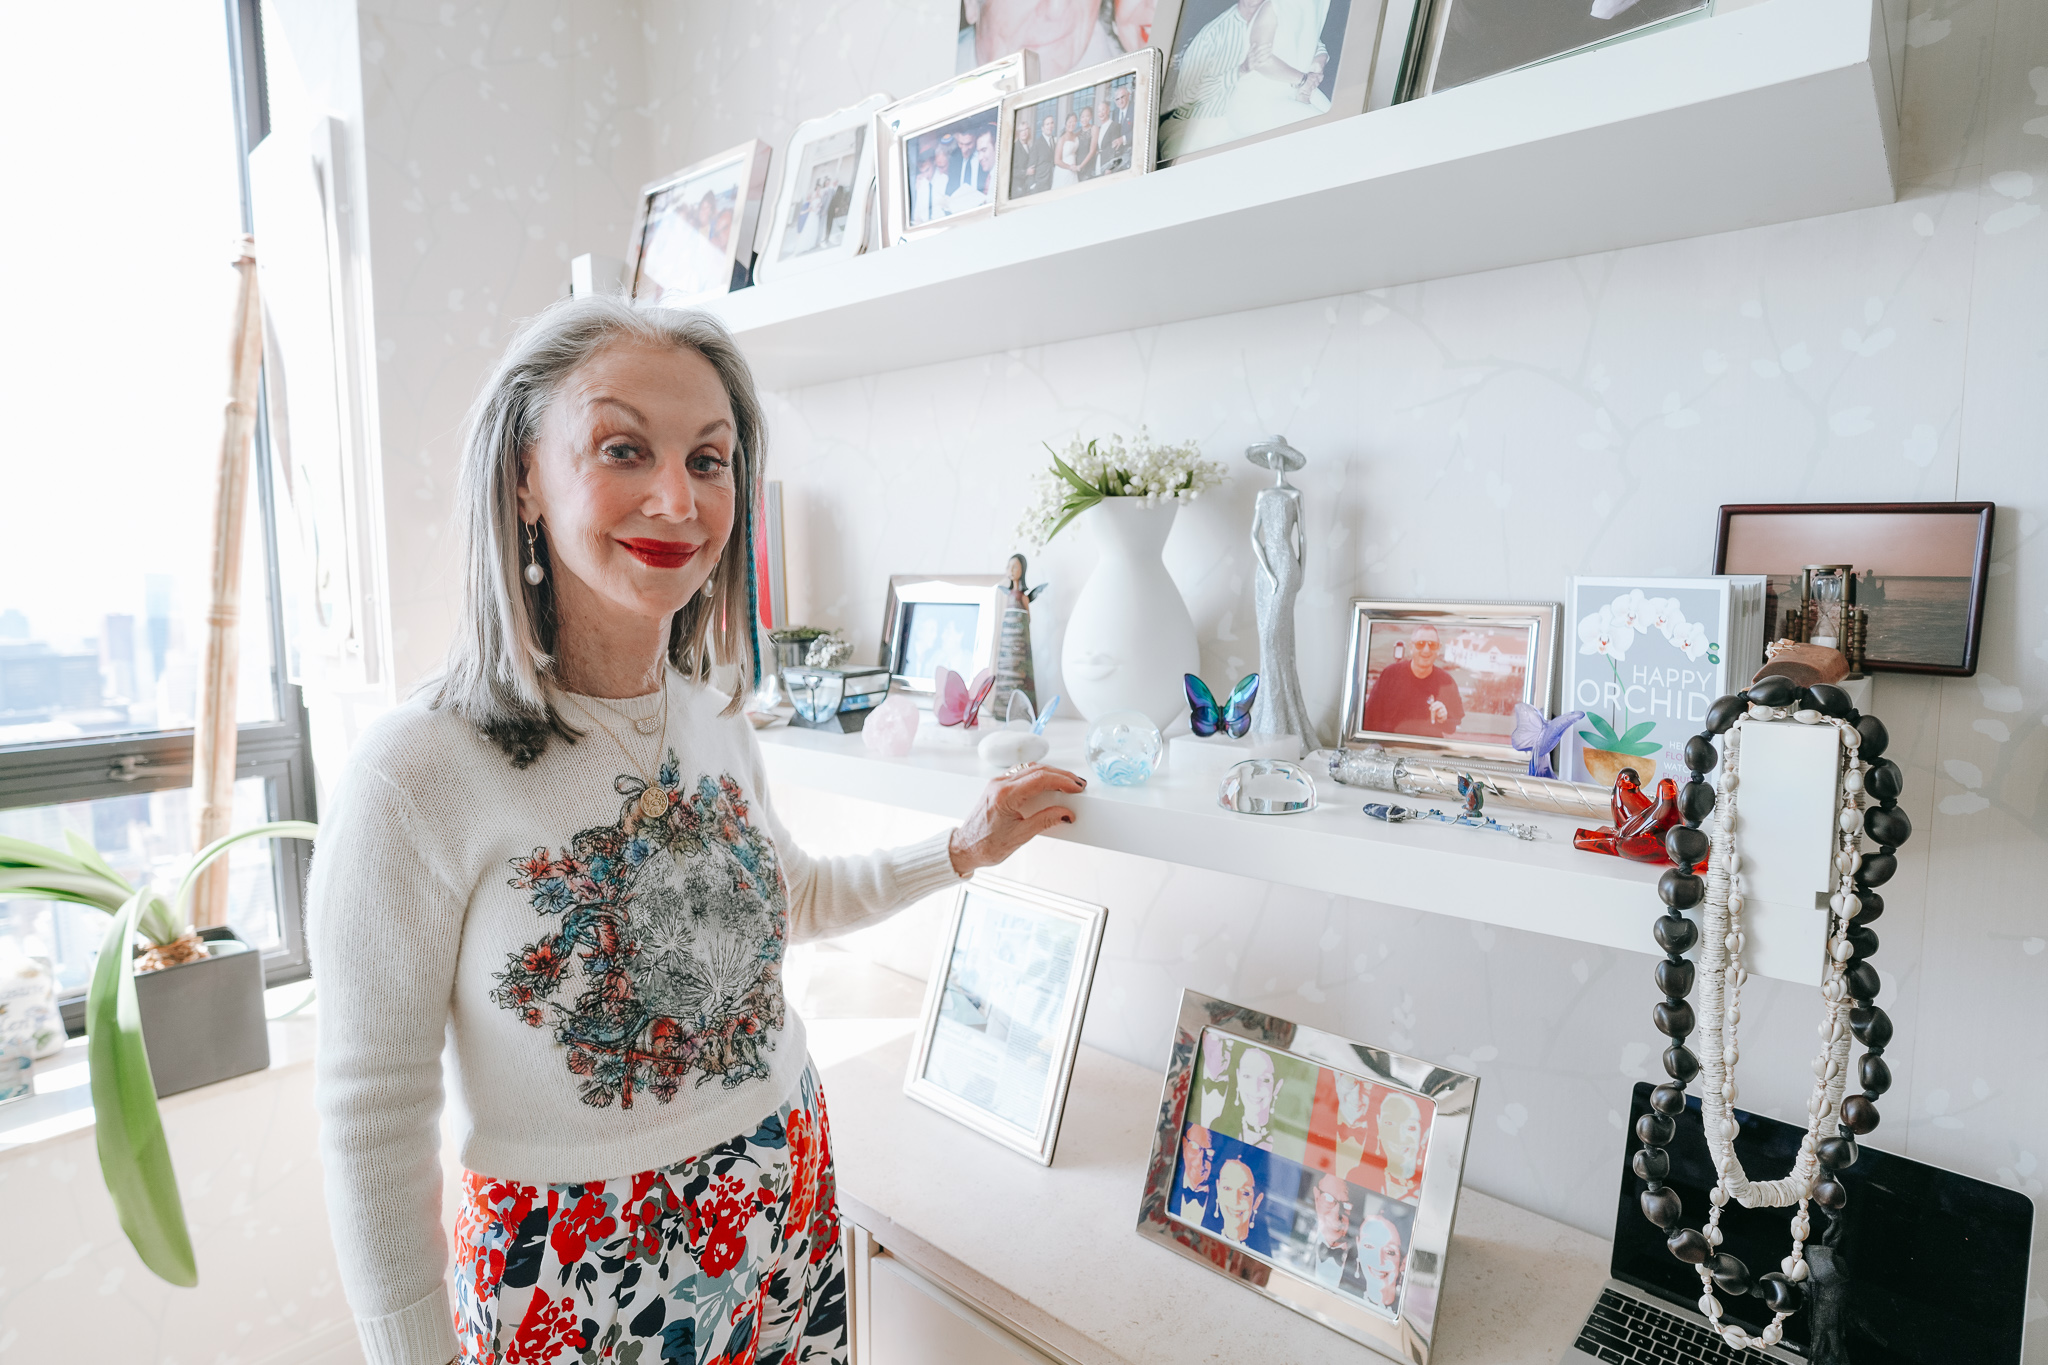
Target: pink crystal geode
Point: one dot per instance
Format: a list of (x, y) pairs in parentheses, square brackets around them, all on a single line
[(891, 727)]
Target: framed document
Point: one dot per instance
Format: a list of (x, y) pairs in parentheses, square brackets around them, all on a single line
[(1320, 1172), (1002, 1015)]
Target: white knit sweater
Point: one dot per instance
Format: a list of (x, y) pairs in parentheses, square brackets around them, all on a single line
[(606, 985)]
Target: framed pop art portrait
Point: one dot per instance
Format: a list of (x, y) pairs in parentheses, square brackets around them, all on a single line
[(1917, 570), (1062, 37), (1003, 1010), (936, 151), (935, 622), (1240, 71), (693, 237), (1318, 1171), (828, 181), (1092, 128), (1446, 676)]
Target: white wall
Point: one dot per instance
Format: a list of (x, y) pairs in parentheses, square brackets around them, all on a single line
[(1478, 437)]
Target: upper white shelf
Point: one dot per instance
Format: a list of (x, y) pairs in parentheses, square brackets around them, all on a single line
[(1775, 112), (1545, 886)]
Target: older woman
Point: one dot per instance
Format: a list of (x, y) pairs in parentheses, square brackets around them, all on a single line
[(560, 866)]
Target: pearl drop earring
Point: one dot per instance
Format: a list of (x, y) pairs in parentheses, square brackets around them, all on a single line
[(534, 572)]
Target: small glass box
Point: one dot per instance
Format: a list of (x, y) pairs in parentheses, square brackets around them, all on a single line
[(836, 699)]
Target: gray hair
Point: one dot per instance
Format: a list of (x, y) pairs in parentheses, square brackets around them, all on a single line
[(502, 657)]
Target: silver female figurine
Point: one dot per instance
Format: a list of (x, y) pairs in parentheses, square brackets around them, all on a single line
[(1281, 549)]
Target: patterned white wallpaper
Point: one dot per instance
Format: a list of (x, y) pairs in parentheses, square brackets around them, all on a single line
[(1485, 436)]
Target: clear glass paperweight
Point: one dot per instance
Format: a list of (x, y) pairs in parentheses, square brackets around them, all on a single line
[(1123, 748), (1268, 786)]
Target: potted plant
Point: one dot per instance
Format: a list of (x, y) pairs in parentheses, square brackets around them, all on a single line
[(1130, 639), (195, 991), (1613, 743)]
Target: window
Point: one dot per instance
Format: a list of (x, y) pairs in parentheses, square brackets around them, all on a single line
[(111, 388)]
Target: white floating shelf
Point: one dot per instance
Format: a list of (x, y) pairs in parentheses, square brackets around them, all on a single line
[(1545, 886), (1775, 112)]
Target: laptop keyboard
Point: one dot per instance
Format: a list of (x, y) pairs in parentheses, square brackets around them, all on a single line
[(1626, 1331)]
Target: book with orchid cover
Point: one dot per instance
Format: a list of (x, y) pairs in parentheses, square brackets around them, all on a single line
[(1647, 657)]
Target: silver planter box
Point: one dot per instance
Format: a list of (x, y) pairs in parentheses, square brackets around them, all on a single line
[(202, 1021)]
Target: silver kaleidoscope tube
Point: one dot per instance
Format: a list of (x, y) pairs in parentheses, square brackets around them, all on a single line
[(1417, 775)]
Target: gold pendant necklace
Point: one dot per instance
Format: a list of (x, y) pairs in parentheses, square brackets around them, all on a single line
[(653, 802)]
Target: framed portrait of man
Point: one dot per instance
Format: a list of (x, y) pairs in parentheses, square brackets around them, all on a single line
[(1319, 1171), (1447, 676), (693, 237), (1003, 1012)]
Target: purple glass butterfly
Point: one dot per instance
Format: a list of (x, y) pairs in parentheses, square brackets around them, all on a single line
[(1234, 717), (1537, 737)]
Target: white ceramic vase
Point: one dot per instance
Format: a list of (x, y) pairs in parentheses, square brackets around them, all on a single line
[(1130, 638)]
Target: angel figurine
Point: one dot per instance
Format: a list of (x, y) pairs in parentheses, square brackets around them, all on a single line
[(1281, 552), (1013, 640)]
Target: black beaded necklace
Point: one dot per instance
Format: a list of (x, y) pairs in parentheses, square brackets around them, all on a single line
[(1848, 976)]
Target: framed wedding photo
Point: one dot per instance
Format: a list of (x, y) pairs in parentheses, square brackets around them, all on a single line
[(1917, 571), (1238, 74), (693, 237), (932, 623), (1092, 128), (1445, 676), (1003, 1011), (828, 181), (1318, 1171), (936, 151)]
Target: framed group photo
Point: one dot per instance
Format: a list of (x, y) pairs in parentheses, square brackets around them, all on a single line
[(1239, 73), (1446, 676), (1319, 1171), (937, 151), (1003, 1012), (828, 182), (1091, 128), (693, 236), (931, 623)]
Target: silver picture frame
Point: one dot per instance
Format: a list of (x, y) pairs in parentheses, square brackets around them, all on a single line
[(849, 132), (1540, 621), (900, 124), (989, 1019), (1140, 68), (1406, 1328), (745, 169), (1357, 66), (1482, 45), (909, 591)]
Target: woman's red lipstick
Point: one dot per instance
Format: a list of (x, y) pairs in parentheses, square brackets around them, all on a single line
[(661, 554)]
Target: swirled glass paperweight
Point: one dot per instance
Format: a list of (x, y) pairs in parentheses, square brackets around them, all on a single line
[(1123, 748)]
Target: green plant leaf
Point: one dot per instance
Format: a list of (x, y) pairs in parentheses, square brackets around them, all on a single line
[(1636, 732), (1066, 471), (135, 1159), (51, 884), (276, 829), (1608, 739), (94, 861), (157, 924)]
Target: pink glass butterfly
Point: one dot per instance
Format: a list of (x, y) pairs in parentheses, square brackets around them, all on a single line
[(958, 703)]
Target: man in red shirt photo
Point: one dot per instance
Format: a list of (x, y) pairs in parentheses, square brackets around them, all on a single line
[(1415, 695)]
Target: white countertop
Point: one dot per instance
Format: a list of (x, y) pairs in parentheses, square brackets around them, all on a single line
[(1056, 1249)]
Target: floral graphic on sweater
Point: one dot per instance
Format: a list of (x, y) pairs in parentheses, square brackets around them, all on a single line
[(666, 955)]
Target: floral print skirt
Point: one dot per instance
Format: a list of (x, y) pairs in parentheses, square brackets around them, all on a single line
[(729, 1258)]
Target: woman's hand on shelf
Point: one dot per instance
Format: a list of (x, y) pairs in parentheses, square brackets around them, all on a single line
[(1009, 814)]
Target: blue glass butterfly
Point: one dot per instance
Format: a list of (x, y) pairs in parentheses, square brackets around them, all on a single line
[(1537, 737), (1234, 717)]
